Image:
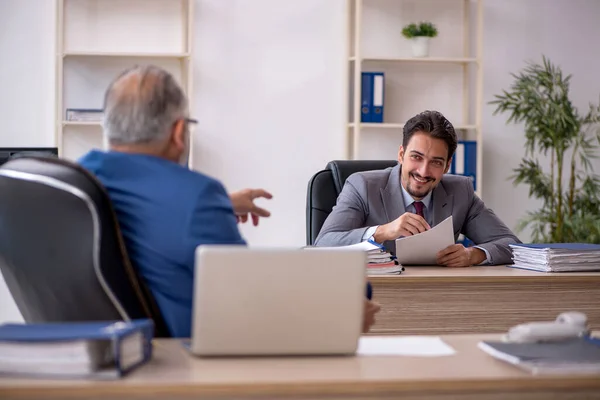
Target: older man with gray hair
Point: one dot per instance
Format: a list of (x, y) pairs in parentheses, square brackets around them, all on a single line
[(164, 209)]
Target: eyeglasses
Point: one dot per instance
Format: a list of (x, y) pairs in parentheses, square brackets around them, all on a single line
[(190, 121)]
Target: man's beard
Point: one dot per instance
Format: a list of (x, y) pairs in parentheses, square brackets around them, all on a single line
[(412, 191)]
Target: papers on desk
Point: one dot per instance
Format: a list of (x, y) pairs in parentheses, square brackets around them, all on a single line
[(421, 249), (557, 257), (423, 346), (363, 246), (379, 261)]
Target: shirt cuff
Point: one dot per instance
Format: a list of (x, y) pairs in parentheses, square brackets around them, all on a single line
[(487, 255), (369, 233)]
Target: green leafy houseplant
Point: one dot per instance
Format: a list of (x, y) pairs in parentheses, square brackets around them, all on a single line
[(568, 140), (426, 29)]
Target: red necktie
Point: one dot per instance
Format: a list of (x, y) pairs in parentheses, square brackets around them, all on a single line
[(419, 208)]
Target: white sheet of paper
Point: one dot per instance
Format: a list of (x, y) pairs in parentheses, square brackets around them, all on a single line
[(423, 346), (421, 249)]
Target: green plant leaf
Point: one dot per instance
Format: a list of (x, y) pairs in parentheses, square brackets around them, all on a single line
[(413, 30), (538, 98)]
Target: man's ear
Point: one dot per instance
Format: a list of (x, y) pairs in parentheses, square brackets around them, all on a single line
[(400, 154), (448, 165), (178, 134)]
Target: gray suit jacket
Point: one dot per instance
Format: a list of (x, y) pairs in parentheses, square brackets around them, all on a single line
[(375, 198)]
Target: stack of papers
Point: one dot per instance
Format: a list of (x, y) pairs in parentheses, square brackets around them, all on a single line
[(557, 257), (379, 261)]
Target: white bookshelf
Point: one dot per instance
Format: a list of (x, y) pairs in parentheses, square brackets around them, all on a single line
[(446, 60), (449, 80), (97, 40), (124, 54)]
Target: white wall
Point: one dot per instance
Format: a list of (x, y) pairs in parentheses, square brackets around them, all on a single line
[(270, 94), (270, 99), (27, 72)]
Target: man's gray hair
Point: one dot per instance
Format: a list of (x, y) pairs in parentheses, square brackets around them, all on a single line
[(141, 105)]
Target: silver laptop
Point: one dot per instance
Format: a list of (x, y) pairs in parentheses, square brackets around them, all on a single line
[(250, 301)]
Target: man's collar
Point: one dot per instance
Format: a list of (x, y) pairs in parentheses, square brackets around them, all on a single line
[(408, 200)]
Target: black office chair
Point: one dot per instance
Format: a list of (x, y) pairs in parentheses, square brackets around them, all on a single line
[(325, 186), (61, 250)]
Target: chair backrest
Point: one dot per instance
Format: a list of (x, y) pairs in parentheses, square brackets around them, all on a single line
[(325, 186), (61, 250)]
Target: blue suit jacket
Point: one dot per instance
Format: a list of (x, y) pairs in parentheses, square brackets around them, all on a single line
[(165, 211)]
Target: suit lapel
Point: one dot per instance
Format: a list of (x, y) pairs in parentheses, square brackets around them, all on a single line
[(442, 204), (391, 196)]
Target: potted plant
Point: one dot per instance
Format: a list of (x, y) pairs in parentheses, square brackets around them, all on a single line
[(420, 35), (567, 187)]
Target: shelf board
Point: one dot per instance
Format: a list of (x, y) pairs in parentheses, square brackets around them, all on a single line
[(440, 60), (82, 123), (401, 126), (123, 54)]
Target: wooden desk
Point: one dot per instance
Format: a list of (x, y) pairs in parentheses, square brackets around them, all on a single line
[(469, 374), (438, 300)]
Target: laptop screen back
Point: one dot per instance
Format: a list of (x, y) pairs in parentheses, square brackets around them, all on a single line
[(277, 301)]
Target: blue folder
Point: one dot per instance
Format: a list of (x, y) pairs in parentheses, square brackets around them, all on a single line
[(560, 246), (464, 161), (125, 345), (372, 97)]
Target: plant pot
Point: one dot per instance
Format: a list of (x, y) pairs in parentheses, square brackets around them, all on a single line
[(420, 46)]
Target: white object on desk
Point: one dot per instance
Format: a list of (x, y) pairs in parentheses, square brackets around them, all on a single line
[(421, 249), (568, 325), (423, 346)]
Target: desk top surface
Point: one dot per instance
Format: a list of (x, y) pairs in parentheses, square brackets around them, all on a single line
[(496, 273), (174, 372)]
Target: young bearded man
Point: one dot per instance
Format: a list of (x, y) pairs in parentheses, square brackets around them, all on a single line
[(415, 195)]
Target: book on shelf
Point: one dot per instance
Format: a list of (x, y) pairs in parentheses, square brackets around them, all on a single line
[(84, 114), (97, 350), (464, 161), (372, 97), (556, 257)]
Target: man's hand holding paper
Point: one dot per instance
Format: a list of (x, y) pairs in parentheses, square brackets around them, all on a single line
[(458, 255), (436, 247), (422, 248), (407, 224)]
